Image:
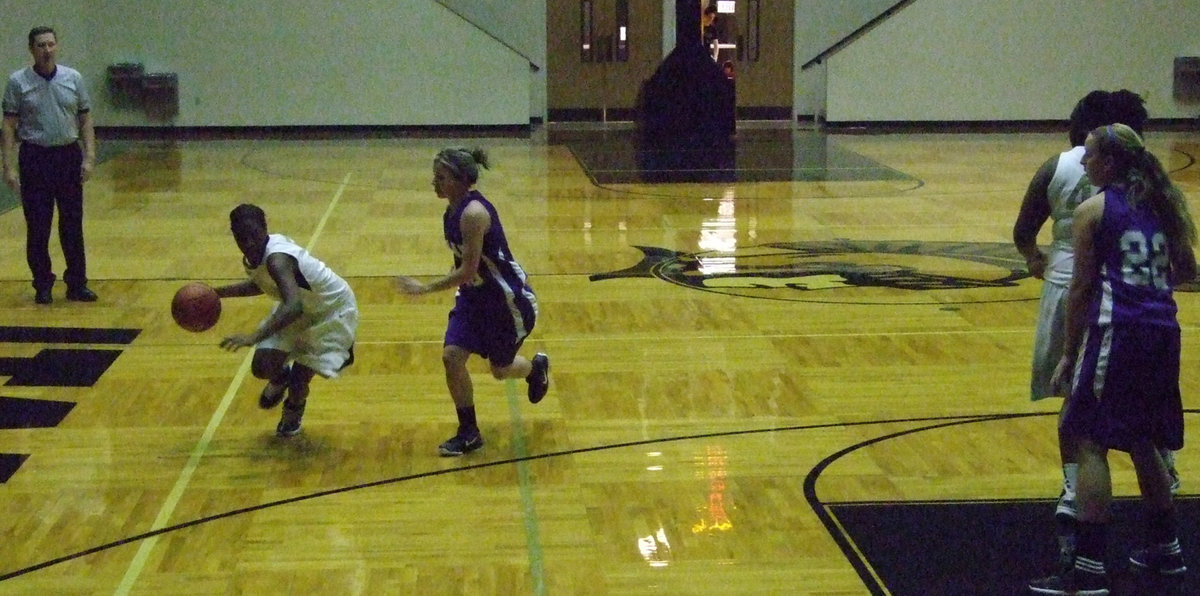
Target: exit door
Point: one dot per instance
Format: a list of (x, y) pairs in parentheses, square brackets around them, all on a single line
[(598, 54), (755, 40)]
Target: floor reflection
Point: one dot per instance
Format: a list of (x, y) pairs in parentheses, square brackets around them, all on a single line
[(613, 156)]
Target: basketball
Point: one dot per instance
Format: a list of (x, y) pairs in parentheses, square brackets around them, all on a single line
[(196, 307)]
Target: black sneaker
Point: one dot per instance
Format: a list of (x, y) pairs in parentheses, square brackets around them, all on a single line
[(1153, 559), (539, 378), (43, 296), (458, 445), (1075, 583), (289, 423), (81, 294), (275, 391)]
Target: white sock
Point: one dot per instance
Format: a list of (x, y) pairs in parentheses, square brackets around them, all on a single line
[(1168, 457), (1070, 478)]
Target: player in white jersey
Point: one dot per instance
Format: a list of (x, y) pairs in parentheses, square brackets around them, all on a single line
[(1068, 187), (312, 327), (1059, 186), (1133, 243)]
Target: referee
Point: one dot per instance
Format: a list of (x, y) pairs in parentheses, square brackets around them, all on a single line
[(47, 109)]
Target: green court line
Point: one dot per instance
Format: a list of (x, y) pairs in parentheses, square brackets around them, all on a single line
[(533, 540)]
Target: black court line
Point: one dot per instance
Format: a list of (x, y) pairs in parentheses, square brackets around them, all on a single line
[(856, 554), (843, 541), (1191, 160), (502, 462)]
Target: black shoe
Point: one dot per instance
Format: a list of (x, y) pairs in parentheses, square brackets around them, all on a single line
[(459, 444), (539, 378), (275, 390), (43, 296), (81, 294), (1071, 582), (289, 423), (1158, 560)]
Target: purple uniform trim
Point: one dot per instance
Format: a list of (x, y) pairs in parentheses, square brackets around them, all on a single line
[(1127, 388), (1126, 382), (494, 313)]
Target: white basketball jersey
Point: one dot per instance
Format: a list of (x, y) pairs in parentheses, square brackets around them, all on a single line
[(326, 293), (1068, 188)]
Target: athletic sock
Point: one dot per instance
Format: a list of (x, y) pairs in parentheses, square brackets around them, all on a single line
[(1168, 457), (1090, 546), (1070, 478), (466, 421)]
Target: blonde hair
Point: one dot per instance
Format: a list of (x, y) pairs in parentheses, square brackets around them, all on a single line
[(1145, 179)]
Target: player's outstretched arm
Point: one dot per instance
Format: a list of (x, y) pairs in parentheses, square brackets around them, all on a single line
[(238, 290), (475, 223)]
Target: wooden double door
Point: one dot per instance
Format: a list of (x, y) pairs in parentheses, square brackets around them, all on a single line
[(600, 51)]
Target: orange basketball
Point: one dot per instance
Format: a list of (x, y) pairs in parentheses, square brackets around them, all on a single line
[(196, 307)]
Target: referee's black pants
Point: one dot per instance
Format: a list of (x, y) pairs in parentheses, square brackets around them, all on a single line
[(53, 176)]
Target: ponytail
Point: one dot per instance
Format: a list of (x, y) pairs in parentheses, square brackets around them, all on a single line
[(463, 163), (1145, 179)]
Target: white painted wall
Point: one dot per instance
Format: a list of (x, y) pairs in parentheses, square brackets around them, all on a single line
[(520, 24), (979, 60), (819, 24), (414, 62), (294, 62)]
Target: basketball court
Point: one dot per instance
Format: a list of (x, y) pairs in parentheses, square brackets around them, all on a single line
[(802, 370)]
